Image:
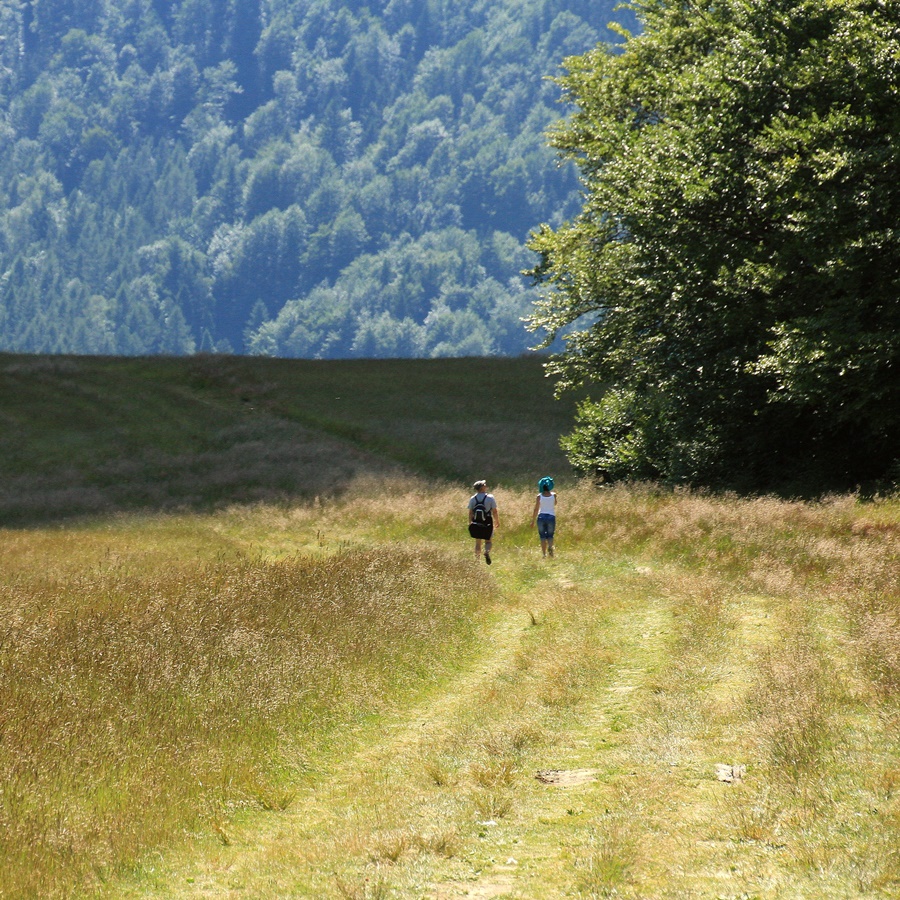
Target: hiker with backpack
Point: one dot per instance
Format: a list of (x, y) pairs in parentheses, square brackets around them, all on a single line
[(545, 514), (483, 519)]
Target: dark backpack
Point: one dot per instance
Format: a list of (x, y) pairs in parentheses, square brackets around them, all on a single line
[(482, 523)]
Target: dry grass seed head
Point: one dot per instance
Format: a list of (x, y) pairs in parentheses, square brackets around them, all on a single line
[(492, 773), (876, 865), (444, 842), (794, 701), (374, 886), (754, 814), (440, 773), (390, 846), (697, 596), (878, 642), (887, 784), (509, 739)]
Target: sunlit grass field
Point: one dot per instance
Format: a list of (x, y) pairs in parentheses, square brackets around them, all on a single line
[(246, 652)]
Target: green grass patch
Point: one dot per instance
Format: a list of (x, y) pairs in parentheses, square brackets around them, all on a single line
[(86, 435)]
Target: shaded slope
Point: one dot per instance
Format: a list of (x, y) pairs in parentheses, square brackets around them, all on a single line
[(85, 435)]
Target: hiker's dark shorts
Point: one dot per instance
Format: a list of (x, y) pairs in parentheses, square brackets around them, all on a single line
[(546, 526), (481, 532)]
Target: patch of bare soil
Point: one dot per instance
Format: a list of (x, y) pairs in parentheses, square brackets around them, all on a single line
[(563, 778), (487, 888)]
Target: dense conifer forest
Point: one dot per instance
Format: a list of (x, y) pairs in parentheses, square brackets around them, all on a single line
[(316, 178)]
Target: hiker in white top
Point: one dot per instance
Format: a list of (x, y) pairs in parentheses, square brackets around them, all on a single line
[(484, 517), (545, 514)]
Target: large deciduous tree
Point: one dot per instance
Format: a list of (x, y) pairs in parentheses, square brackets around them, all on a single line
[(731, 285)]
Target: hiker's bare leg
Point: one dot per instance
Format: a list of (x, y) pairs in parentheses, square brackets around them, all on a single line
[(477, 548)]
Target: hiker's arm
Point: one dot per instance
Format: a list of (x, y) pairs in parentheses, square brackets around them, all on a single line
[(495, 515), (537, 506)]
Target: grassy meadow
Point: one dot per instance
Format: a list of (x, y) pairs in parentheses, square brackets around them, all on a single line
[(82, 436), (245, 651)]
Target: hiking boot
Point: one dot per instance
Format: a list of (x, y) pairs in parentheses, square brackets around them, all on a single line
[(487, 557)]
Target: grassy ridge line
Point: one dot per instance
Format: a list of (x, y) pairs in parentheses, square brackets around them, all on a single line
[(91, 435), (416, 459), (443, 418)]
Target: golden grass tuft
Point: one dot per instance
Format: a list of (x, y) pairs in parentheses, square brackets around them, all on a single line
[(754, 814), (373, 886), (794, 703), (389, 846), (493, 772), (491, 804), (879, 645)]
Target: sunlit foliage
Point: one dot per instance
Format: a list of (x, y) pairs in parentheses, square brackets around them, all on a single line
[(731, 280)]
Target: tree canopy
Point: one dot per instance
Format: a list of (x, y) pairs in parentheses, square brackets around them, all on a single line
[(316, 177), (730, 284)]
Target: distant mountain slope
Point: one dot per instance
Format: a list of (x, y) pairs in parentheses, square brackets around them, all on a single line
[(313, 178)]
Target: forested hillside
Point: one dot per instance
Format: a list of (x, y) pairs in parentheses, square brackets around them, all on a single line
[(313, 178)]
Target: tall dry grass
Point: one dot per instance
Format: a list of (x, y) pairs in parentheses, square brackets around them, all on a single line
[(139, 704), (782, 653), (766, 543)]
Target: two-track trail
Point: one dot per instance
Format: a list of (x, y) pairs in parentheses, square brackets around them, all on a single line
[(581, 752), (356, 819), (437, 800)]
